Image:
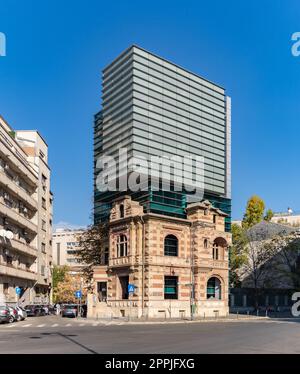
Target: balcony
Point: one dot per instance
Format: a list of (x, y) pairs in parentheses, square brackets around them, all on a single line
[(168, 261), (12, 271), (19, 246), (17, 218), (210, 263), (17, 190), (122, 261), (8, 149)]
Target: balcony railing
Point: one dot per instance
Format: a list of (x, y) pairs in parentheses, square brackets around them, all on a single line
[(17, 273), (17, 159), (19, 246), (17, 218), (17, 190)]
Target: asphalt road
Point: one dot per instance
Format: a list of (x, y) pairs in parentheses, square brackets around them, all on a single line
[(59, 335)]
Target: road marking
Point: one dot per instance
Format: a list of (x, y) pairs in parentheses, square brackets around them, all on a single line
[(95, 324), (82, 324), (10, 326), (42, 325), (55, 325), (68, 325), (28, 325)]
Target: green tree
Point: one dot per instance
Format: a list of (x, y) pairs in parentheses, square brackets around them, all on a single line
[(237, 254), (254, 212), (93, 244), (58, 274), (269, 215)]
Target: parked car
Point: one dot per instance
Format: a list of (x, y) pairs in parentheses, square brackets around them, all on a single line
[(34, 310), (13, 313), (21, 313), (5, 315), (70, 310)]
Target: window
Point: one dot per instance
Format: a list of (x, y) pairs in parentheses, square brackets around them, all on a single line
[(121, 211), (219, 247), (213, 290), (43, 247), (214, 218), (106, 256), (205, 244), (43, 270), (102, 291), (171, 288), (124, 281), (171, 245), (215, 251), (43, 203), (43, 225), (122, 246), (5, 289)]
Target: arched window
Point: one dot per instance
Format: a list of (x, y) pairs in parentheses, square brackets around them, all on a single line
[(121, 211), (213, 290), (171, 245), (122, 246), (205, 243), (219, 247)]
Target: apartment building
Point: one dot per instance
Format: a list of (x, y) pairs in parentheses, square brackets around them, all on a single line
[(25, 216), (65, 248)]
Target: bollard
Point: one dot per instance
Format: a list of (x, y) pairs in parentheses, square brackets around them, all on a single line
[(237, 314), (266, 312)]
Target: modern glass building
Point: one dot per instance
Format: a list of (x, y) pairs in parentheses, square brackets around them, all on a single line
[(153, 107)]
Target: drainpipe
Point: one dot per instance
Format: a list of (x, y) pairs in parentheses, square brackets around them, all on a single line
[(143, 265)]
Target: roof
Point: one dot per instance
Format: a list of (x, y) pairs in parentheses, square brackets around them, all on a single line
[(266, 230)]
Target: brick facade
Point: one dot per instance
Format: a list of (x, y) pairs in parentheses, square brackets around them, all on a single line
[(163, 283)]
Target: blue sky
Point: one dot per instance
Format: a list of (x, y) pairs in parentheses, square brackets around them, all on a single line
[(50, 81)]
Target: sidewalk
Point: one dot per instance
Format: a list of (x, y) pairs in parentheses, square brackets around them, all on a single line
[(148, 321)]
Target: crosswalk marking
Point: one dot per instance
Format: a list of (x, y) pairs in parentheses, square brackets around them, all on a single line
[(28, 325), (55, 325), (95, 324), (68, 325), (42, 325)]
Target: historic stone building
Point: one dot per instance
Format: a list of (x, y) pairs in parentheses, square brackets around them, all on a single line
[(176, 264)]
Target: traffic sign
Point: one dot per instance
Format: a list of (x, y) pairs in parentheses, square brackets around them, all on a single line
[(131, 288), (78, 294), (18, 290)]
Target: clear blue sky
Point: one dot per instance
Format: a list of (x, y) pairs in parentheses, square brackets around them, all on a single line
[(50, 81)]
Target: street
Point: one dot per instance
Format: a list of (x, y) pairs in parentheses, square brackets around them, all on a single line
[(53, 334)]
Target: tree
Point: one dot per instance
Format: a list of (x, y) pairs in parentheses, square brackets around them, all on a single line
[(93, 244), (255, 271), (254, 212), (286, 260), (58, 275), (66, 289), (237, 254), (269, 215)]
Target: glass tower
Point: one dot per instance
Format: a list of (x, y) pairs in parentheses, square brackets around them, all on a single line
[(152, 107)]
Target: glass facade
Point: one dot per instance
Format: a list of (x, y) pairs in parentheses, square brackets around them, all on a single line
[(152, 107)]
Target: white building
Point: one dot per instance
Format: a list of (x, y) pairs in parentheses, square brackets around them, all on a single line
[(65, 248), (25, 216)]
